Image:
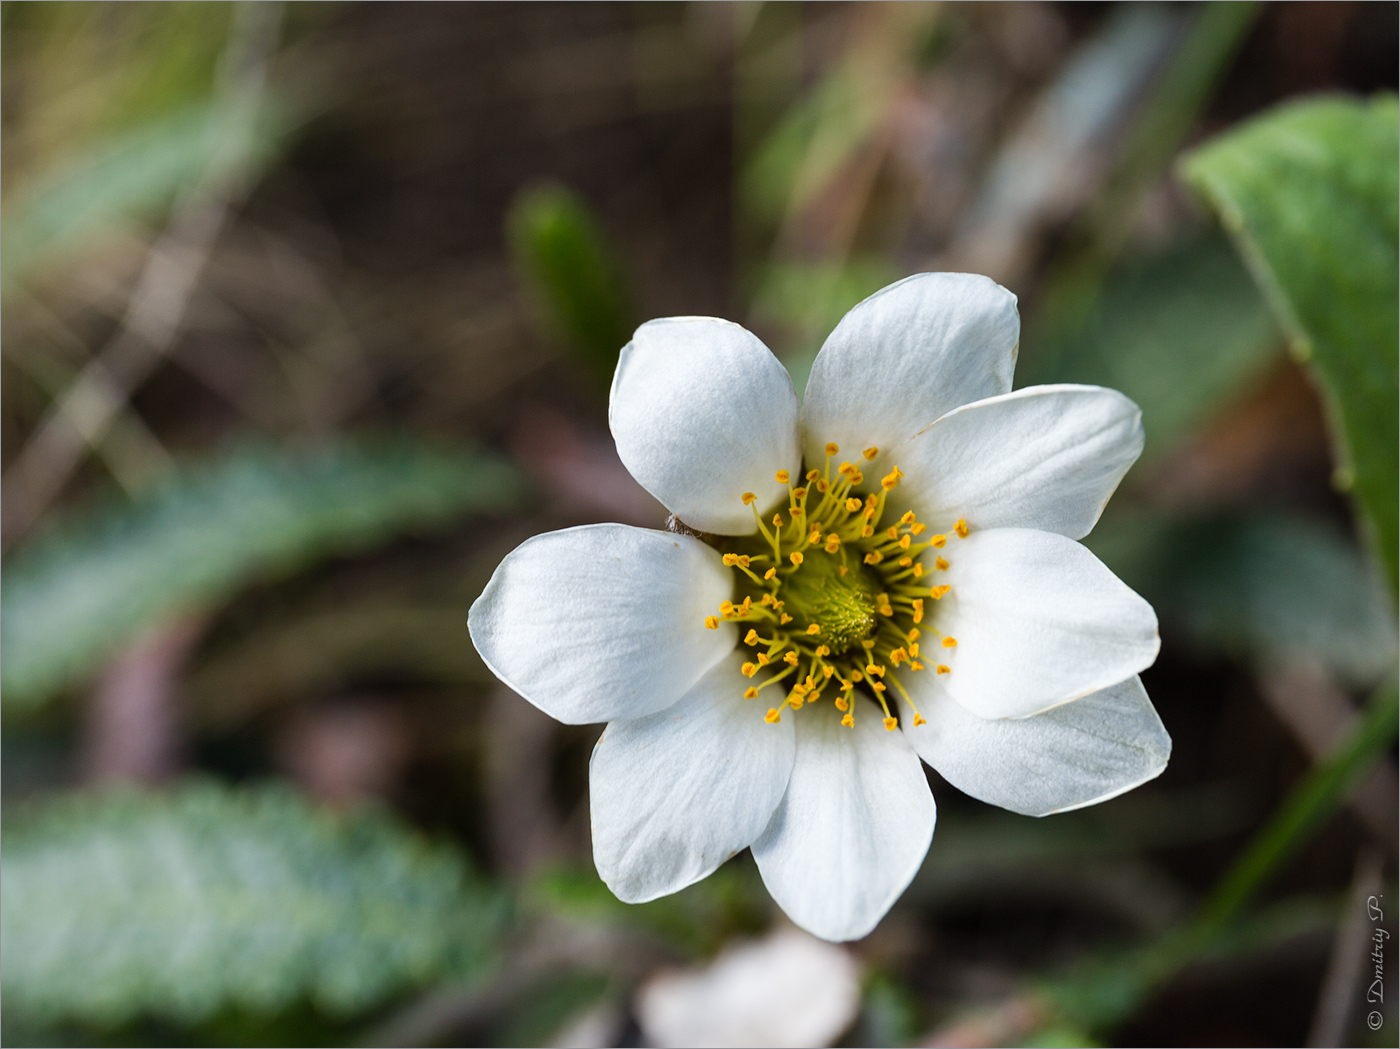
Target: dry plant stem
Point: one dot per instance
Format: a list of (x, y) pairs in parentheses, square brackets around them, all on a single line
[(1342, 987), (1317, 712), (131, 728), (83, 413)]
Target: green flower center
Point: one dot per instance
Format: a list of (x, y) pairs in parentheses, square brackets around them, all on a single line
[(834, 599)]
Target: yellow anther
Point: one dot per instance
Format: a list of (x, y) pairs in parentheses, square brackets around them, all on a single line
[(855, 477), (730, 560), (878, 686), (845, 468), (790, 659), (832, 449), (867, 644), (813, 476), (747, 606), (772, 717), (874, 557), (890, 724), (852, 505), (781, 476), (815, 537), (822, 486), (886, 610), (905, 562), (918, 570), (876, 669), (749, 669), (870, 453), (770, 573), (814, 629), (726, 608), (749, 498), (898, 654), (846, 686), (833, 543), (919, 720), (799, 493), (871, 501), (938, 541), (914, 633), (904, 542), (827, 671), (918, 528), (711, 623), (891, 479), (892, 532), (941, 590), (961, 528), (940, 564), (914, 664), (822, 650), (750, 693), (913, 645), (908, 517), (751, 638), (918, 609), (848, 721), (764, 659), (841, 703), (766, 599), (857, 677), (795, 558), (950, 642), (944, 670), (841, 570)]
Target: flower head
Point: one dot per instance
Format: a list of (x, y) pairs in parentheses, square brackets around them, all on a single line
[(889, 572)]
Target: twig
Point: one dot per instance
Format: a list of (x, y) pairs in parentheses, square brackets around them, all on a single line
[(83, 413)]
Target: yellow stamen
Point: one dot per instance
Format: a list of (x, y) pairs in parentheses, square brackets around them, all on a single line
[(711, 622), (938, 541), (950, 642), (870, 453), (782, 476), (795, 558), (961, 528), (751, 638), (790, 659), (772, 717), (814, 629), (749, 498), (848, 721), (918, 610), (750, 693), (749, 669), (832, 449), (944, 670), (940, 564), (890, 724)]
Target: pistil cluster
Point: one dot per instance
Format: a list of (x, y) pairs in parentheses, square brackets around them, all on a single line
[(837, 598)]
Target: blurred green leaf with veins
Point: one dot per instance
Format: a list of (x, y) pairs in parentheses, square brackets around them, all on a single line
[(573, 274), (1181, 332), (78, 593), (1259, 585), (183, 903), (1309, 192)]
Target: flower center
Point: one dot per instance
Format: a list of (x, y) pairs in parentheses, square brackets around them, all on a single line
[(835, 599)]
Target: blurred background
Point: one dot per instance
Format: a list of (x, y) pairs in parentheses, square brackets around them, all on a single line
[(309, 315)]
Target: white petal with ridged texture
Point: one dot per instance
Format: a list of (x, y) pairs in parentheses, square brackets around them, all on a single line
[(853, 827), (1077, 754), (603, 621), (1038, 621), (1045, 457), (675, 794), (702, 412), (905, 356)]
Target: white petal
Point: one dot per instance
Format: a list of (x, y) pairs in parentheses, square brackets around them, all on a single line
[(603, 621), (677, 793), (702, 412), (1045, 457), (1077, 754), (905, 356), (853, 827), (787, 989), (1038, 621)]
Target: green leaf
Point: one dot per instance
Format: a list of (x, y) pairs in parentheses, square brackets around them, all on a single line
[(94, 583), (1309, 193), (181, 904), (1258, 586), (132, 175), (1180, 332), (572, 272)]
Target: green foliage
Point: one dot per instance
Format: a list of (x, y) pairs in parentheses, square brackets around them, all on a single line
[(1180, 333), (181, 904), (1309, 192), (698, 920), (1258, 586), (97, 582), (132, 175), (571, 270)]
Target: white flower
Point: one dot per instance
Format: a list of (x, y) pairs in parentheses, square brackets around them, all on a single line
[(895, 564)]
